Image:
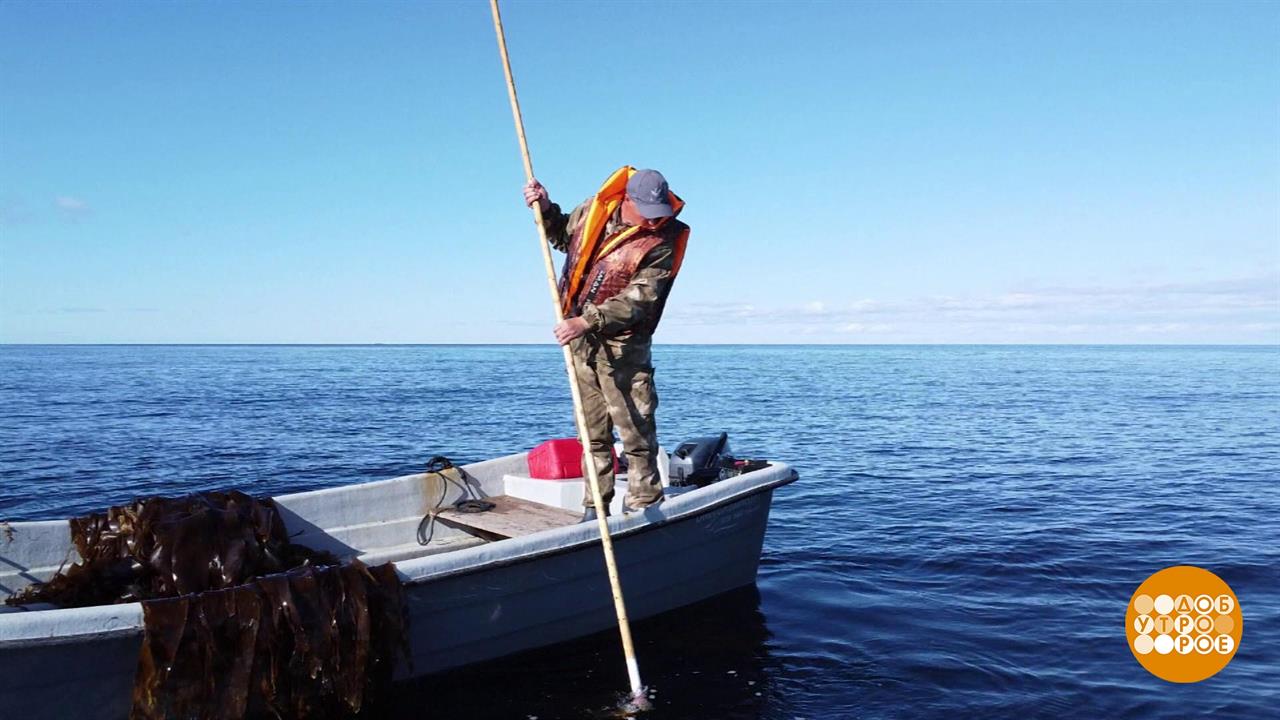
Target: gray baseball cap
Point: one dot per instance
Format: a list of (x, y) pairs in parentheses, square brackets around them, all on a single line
[(649, 191)]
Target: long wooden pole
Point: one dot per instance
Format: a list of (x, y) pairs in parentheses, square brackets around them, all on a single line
[(593, 478)]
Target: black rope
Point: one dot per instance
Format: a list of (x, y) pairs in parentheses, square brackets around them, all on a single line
[(472, 504)]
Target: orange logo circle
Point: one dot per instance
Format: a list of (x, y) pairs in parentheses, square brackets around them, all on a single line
[(1183, 624)]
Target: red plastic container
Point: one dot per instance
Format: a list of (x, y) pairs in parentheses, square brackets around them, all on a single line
[(559, 459)]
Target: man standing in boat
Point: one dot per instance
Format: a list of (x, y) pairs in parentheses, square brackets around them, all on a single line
[(624, 246)]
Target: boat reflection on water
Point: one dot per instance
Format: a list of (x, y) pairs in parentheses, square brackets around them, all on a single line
[(707, 660)]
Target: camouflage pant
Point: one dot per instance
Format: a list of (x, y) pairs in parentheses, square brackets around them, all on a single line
[(617, 392)]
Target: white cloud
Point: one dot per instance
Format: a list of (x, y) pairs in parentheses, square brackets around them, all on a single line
[(864, 328), (1161, 328), (1243, 309), (72, 206)]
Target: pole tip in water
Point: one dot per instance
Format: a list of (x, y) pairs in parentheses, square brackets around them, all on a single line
[(636, 703)]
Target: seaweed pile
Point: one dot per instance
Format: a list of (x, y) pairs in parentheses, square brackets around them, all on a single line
[(162, 547), (238, 621)]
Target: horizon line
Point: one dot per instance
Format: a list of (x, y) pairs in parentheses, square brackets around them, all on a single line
[(727, 344)]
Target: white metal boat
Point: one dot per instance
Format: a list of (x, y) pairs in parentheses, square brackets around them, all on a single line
[(534, 577)]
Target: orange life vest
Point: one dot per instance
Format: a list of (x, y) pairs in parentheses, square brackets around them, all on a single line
[(599, 267)]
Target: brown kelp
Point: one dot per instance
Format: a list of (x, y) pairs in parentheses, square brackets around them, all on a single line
[(238, 621), (310, 643), (161, 547)]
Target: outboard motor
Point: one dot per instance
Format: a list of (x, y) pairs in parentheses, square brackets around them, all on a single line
[(698, 461)]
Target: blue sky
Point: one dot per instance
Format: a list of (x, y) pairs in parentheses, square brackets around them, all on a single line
[(854, 172)]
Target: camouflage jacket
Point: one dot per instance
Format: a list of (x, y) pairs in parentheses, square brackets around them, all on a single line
[(617, 324)]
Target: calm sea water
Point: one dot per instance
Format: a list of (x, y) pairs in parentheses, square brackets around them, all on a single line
[(968, 528)]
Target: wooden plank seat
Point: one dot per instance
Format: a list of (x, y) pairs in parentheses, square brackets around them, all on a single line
[(511, 517)]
